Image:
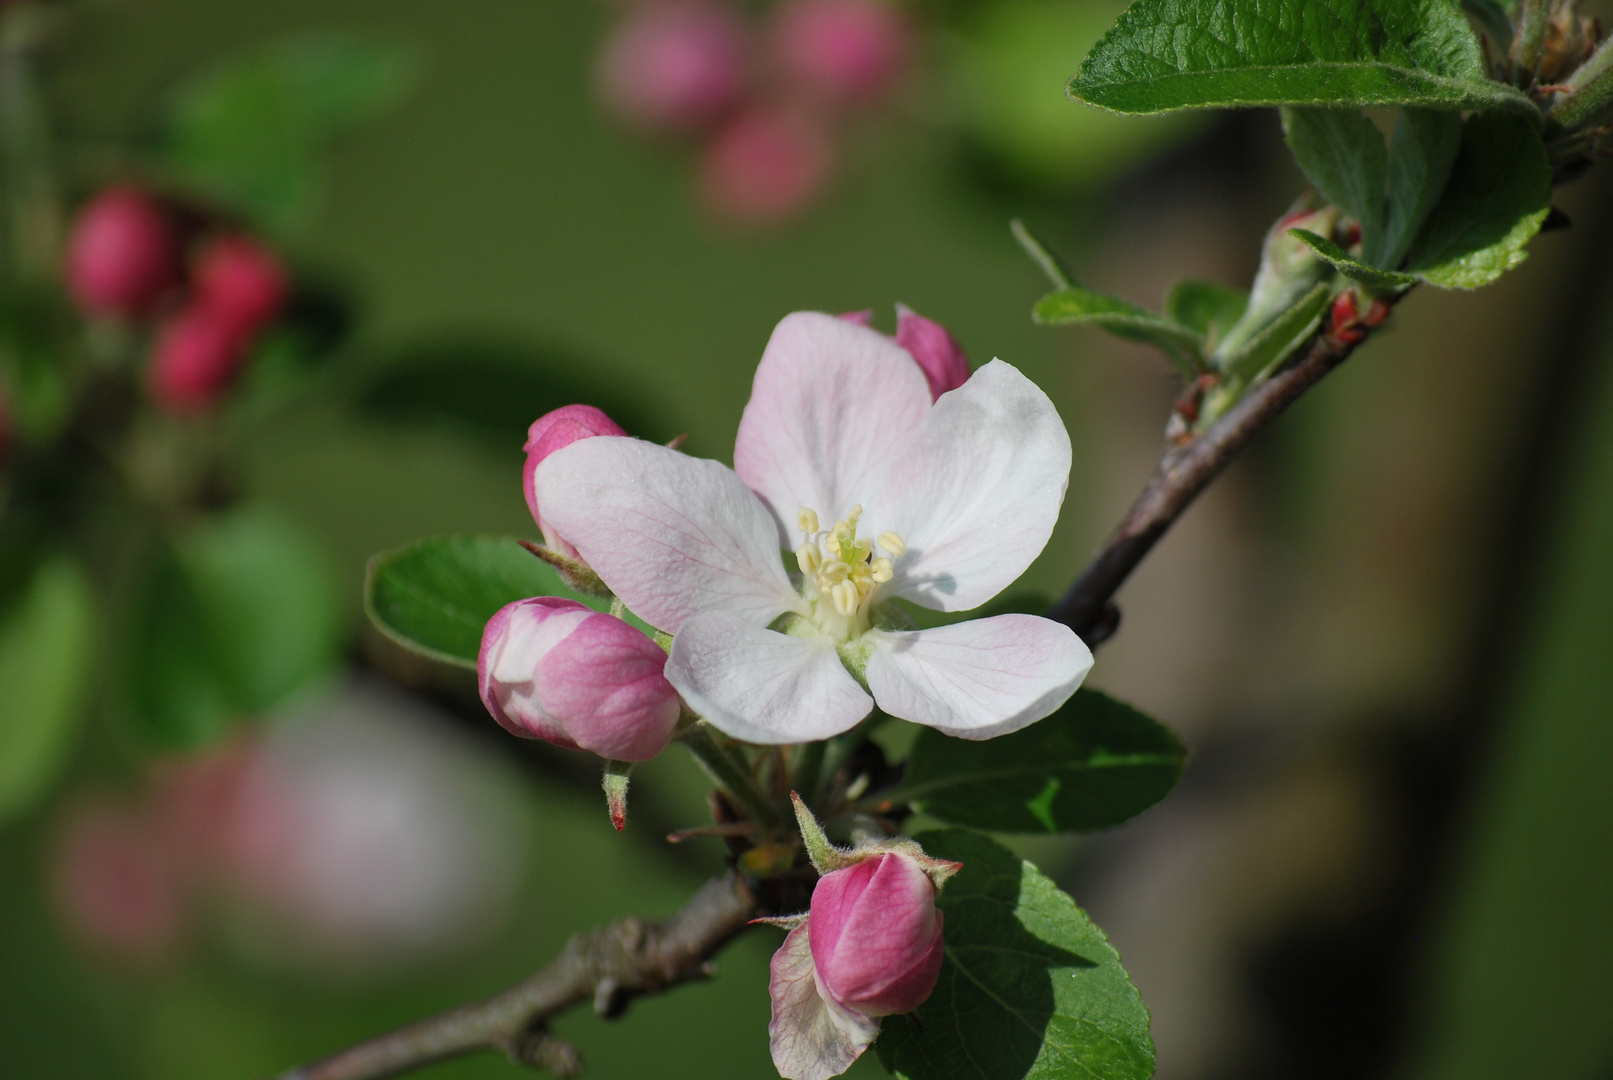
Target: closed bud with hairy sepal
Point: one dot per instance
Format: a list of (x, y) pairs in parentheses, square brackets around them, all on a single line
[(556, 670), (122, 255), (554, 431)]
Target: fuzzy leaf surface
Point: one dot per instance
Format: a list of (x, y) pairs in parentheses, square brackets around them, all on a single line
[(1341, 261), (1498, 195), (1095, 763), (435, 596), (1030, 989), (1076, 306), (1342, 154), (1164, 55), (1420, 160), (1206, 308)]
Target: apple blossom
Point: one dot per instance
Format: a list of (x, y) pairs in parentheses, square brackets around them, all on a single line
[(556, 670), (883, 495), (122, 254), (548, 433)]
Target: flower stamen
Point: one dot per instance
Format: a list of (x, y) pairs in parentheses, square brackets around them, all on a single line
[(840, 569)]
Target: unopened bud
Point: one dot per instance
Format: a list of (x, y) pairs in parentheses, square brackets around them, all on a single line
[(555, 670), (122, 255), (554, 431), (876, 935), (937, 351), (194, 359), (765, 165), (675, 66), (241, 281), (845, 50)]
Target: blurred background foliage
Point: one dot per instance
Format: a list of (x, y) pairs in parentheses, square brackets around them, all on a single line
[(1383, 634)]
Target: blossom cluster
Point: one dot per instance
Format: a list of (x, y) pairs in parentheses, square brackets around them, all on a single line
[(766, 102), (884, 469), (132, 258)]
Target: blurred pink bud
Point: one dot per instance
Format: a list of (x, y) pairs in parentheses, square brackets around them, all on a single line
[(876, 935), (556, 670), (675, 66), (114, 885), (848, 50), (194, 358), (765, 165), (554, 431), (865, 317), (936, 350), (240, 281), (122, 254)]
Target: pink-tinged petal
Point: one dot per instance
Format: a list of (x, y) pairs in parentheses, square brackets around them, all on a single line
[(865, 317), (672, 535), (514, 642), (761, 686), (876, 935), (975, 492), (978, 679), (833, 403), (936, 350), (811, 1037), (553, 431), (604, 683)]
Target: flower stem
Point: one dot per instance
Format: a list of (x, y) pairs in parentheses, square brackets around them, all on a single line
[(730, 772)]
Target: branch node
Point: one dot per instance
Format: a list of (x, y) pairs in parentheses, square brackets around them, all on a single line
[(537, 1049)]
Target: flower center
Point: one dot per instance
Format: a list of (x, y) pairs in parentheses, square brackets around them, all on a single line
[(839, 571)]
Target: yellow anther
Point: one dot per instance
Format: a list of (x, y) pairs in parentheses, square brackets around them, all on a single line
[(807, 519), (808, 558), (893, 544), (834, 572), (845, 598), (882, 570)]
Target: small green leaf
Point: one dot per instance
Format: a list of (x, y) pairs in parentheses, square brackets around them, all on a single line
[(435, 596), (250, 131), (1331, 253), (1279, 337), (1029, 987), (1093, 764), (1342, 153), (1164, 55), (237, 618), (1498, 195), (46, 640), (1076, 305), (1420, 162), (1206, 308)]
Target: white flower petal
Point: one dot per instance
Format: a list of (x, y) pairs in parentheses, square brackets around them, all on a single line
[(978, 679), (811, 1037), (832, 405), (671, 534), (975, 492), (762, 686)]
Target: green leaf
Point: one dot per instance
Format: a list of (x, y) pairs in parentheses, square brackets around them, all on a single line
[(1341, 152), (1164, 55), (1206, 308), (238, 618), (250, 131), (1330, 252), (1093, 764), (435, 596), (1280, 336), (1498, 196), (1420, 162), (1029, 989), (46, 641), (1076, 305)]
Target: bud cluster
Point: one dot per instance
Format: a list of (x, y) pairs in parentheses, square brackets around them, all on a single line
[(132, 258), (766, 102)]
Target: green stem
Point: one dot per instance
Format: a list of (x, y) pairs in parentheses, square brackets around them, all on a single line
[(1533, 17), (729, 773), (1590, 103)]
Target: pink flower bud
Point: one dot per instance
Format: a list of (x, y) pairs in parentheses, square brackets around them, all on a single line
[(240, 281), (936, 350), (765, 165), (122, 255), (876, 935), (554, 431), (555, 670), (847, 50), (194, 358), (114, 883), (675, 66)]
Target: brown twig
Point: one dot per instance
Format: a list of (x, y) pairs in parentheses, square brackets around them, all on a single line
[(1184, 472), (609, 966)]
